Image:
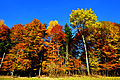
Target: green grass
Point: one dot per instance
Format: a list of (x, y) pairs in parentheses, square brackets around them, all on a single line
[(67, 78)]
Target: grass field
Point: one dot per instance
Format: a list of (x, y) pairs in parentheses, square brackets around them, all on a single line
[(66, 78)]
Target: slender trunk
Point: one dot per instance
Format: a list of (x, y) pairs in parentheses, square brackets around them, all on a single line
[(12, 73), (2, 59), (86, 55), (67, 52), (30, 74), (114, 73), (79, 71), (69, 72), (41, 60), (39, 71)]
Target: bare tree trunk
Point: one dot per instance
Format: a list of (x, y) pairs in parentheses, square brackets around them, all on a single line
[(67, 52), (2, 59), (86, 55), (39, 71), (12, 73)]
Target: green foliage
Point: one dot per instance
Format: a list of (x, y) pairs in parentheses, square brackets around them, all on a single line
[(68, 33)]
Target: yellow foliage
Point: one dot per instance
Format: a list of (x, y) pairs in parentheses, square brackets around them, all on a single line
[(85, 17), (1, 22), (51, 25), (34, 69)]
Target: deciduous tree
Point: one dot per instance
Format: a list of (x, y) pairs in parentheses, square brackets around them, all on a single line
[(81, 19)]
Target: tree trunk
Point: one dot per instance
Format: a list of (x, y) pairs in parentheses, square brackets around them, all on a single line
[(2, 59), (12, 73), (86, 55), (67, 52), (39, 71)]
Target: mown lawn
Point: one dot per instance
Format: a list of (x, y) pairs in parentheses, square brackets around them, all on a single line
[(67, 78)]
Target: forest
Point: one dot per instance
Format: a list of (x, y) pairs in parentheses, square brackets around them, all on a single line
[(85, 47)]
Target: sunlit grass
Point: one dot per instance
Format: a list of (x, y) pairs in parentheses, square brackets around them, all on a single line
[(66, 78)]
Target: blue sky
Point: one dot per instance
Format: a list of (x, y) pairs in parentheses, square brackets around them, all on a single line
[(23, 11)]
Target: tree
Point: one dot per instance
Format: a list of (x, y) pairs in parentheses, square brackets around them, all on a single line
[(105, 40), (55, 36), (109, 46), (16, 54), (34, 39), (4, 40), (81, 19), (68, 40)]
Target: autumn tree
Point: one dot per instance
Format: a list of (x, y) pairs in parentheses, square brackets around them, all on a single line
[(55, 36), (108, 46), (81, 19), (16, 54), (103, 53), (4, 40), (34, 40)]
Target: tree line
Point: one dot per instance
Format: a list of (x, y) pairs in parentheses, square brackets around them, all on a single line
[(40, 49)]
